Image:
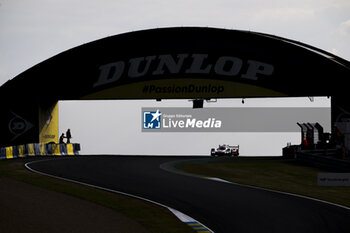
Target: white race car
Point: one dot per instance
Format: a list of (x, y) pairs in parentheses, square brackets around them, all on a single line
[(225, 150)]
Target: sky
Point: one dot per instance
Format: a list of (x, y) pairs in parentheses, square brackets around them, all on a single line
[(114, 127), (33, 31)]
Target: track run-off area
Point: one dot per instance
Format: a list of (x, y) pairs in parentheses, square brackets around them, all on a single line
[(208, 204)]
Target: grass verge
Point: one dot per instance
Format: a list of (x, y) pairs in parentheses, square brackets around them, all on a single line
[(271, 173), (154, 218)]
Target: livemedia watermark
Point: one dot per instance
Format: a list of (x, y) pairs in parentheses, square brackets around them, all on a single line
[(224, 119)]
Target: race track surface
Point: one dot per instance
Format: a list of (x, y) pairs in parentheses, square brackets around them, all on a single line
[(220, 206)]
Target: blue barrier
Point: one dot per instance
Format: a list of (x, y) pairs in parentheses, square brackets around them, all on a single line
[(25, 150), (76, 148), (63, 149), (15, 152), (49, 149), (2, 153), (36, 149)]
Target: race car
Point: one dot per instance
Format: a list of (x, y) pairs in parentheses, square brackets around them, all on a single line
[(225, 150)]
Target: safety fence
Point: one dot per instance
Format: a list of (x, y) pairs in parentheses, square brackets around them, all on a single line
[(39, 149)]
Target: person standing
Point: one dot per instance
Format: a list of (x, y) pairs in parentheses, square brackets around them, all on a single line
[(68, 136), (62, 139)]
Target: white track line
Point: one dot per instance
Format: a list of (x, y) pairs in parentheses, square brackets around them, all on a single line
[(181, 216), (165, 166), (280, 192)]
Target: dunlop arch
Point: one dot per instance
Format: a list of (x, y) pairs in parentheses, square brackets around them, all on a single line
[(169, 63)]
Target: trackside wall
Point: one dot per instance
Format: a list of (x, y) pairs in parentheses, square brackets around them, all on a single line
[(39, 149)]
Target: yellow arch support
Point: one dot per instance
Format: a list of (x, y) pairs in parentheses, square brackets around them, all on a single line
[(48, 124)]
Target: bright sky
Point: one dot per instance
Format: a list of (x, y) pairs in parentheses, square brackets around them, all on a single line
[(35, 30), (114, 127)]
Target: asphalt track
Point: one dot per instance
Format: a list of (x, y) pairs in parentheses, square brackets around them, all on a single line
[(220, 206)]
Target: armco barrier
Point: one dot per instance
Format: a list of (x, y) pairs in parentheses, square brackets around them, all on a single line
[(39, 149)]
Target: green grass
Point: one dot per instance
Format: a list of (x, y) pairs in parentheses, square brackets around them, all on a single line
[(154, 218), (271, 173)]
